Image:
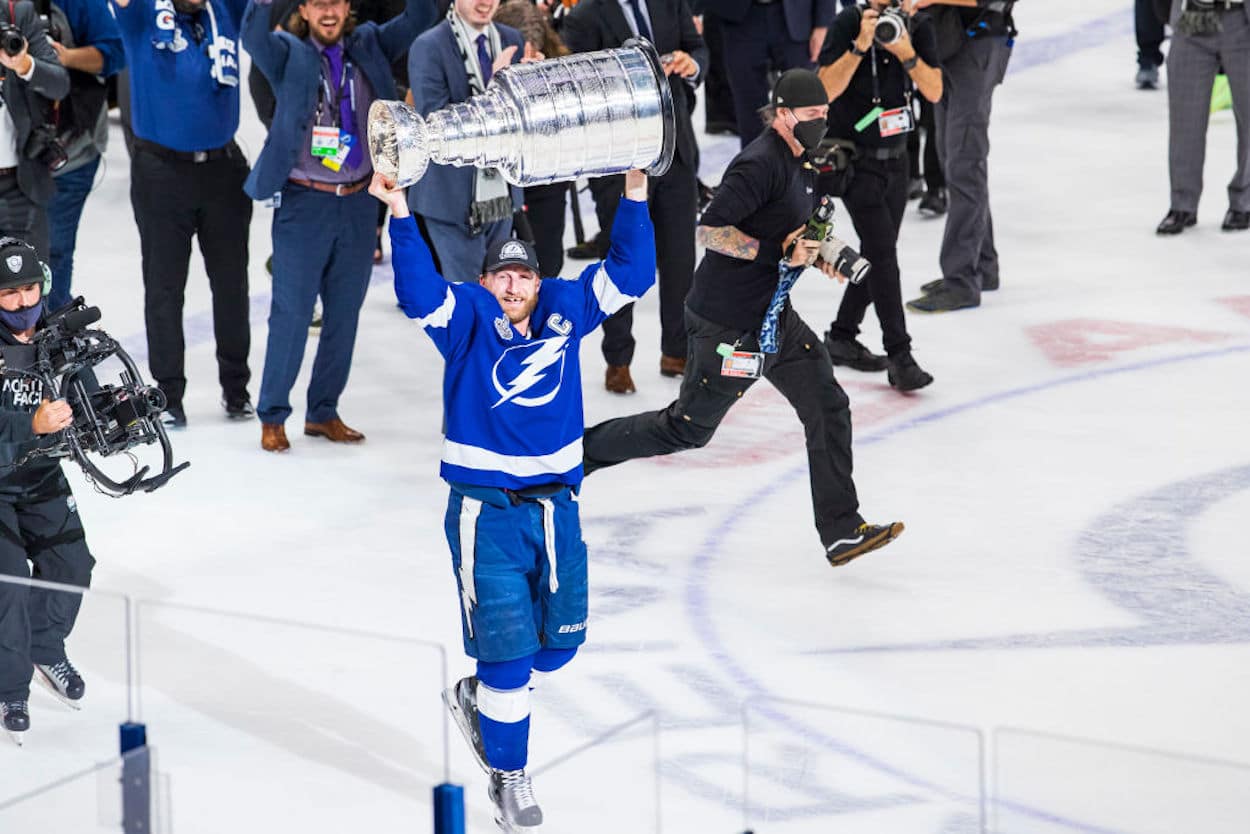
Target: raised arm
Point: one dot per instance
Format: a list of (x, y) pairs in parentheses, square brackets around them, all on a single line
[(628, 271), (397, 34), (268, 49)]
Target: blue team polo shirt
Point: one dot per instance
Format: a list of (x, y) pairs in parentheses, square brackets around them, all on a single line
[(174, 100)]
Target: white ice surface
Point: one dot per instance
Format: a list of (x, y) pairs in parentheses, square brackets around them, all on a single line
[(1074, 561)]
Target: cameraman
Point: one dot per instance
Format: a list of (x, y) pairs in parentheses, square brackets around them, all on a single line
[(869, 82), (89, 45), (32, 78), (38, 518), (977, 35)]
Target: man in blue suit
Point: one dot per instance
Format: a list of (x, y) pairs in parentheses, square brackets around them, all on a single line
[(464, 210), (325, 72), (760, 35)]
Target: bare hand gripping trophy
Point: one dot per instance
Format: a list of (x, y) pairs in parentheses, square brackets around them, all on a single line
[(593, 113)]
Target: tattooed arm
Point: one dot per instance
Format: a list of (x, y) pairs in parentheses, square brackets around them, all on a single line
[(727, 240)]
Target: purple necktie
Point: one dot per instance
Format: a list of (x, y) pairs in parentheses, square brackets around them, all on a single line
[(483, 59), (347, 119)]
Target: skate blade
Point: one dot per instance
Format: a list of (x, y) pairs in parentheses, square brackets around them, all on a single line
[(17, 737), (56, 693), (462, 723)]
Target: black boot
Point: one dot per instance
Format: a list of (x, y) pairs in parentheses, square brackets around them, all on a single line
[(851, 354), (1176, 222), (905, 375)]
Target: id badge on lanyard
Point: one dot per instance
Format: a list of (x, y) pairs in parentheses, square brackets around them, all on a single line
[(889, 122), (896, 121), (330, 143)]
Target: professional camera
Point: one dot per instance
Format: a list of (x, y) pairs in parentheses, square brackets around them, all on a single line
[(45, 146), (12, 41), (108, 419), (833, 250), (891, 24)]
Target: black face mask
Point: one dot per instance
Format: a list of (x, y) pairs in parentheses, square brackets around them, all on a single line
[(810, 132)]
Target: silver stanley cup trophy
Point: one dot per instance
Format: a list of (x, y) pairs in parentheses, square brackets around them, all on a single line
[(588, 114)]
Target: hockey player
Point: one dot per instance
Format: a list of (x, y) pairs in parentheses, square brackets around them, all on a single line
[(38, 517), (512, 399)]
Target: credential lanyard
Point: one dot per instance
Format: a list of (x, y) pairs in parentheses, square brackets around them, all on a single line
[(876, 82), (344, 84)]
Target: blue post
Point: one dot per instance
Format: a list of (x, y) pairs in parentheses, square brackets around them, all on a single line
[(448, 809), (136, 780)]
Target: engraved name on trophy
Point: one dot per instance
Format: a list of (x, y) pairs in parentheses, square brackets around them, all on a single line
[(593, 113)]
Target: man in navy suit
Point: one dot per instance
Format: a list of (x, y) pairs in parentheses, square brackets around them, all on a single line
[(325, 72), (760, 35), (669, 24), (465, 210)]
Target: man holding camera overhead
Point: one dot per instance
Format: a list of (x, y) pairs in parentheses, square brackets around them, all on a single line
[(874, 58), (32, 79)]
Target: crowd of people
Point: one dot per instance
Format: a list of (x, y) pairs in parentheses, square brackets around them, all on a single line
[(875, 104)]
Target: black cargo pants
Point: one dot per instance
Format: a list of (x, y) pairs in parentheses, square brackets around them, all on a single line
[(800, 370), (34, 622)]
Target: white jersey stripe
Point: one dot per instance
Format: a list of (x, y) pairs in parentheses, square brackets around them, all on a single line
[(442, 315), (610, 298), (519, 466), (470, 509)]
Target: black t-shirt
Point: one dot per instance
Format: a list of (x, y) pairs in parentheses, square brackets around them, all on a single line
[(767, 192), (892, 80)]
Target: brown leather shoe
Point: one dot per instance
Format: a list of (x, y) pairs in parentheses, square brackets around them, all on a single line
[(273, 437), (618, 381), (672, 365), (336, 431)]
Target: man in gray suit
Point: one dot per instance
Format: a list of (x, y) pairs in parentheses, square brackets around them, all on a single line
[(33, 78), (760, 35), (1206, 33)]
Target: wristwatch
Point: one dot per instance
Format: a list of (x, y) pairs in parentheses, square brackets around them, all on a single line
[(856, 51), (910, 63)]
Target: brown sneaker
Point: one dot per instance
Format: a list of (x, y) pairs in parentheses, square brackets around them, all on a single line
[(672, 365), (336, 431), (273, 437), (618, 381)]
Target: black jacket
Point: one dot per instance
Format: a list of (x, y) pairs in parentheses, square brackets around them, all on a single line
[(600, 24), (28, 101), (19, 397)]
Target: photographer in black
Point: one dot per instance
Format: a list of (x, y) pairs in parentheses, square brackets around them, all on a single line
[(39, 522), (32, 79), (742, 327), (873, 58)]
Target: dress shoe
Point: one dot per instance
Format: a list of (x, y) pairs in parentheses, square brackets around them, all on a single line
[(617, 380), (273, 437), (1176, 222), (174, 417), (1236, 221), (933, 203), (906, 375), (851, 353), (944, 299), (672, 365), (336, 431), (583, 251)]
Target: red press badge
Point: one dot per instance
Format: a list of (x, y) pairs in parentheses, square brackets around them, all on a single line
[(896, 121)]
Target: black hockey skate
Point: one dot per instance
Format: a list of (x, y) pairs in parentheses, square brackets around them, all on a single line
[(16, 718), (63, 681), (516, 809), (867, 538), (461, 701)]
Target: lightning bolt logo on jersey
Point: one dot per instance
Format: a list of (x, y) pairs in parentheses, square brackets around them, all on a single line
[(535, 370), (513, 404)]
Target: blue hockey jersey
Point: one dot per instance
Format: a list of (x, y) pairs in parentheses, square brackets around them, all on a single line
[(514, 405)]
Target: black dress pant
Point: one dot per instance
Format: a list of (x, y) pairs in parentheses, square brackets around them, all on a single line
[(34, 622), (800, 370), (545, 205), (1149, 35), (931, 164), (718, 99), (876, 200), (673, 201), (761, 42), (175, 200)]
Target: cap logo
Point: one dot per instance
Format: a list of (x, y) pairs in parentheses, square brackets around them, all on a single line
[(513, 249), (14, 263)]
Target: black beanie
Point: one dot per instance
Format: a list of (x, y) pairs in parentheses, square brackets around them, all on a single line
[(19, 264), (799, 88)]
